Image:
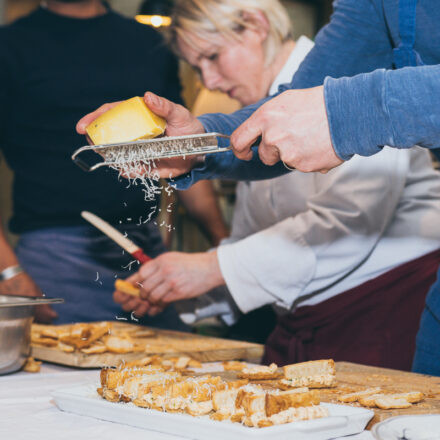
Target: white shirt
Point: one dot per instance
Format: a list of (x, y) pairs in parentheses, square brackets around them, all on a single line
[(300, 234)]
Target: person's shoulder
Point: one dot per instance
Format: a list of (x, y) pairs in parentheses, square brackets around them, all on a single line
[(24, 22), (12, 31)]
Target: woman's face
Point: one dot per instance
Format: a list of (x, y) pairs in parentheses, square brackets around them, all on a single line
[(233, 67)]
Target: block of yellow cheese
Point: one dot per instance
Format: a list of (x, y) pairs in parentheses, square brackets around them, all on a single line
[(128, 121)]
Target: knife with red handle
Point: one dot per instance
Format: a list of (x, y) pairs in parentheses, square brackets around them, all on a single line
[(111, 232)]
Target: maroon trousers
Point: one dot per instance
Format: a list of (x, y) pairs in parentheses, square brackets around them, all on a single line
[(375, 323)]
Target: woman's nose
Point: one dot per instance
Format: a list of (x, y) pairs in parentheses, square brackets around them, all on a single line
[(211, 79)]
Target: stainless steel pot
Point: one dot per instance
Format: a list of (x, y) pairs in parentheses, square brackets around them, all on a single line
[(16, 315)]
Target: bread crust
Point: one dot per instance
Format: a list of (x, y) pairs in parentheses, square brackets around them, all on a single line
[(281, 402), (261, 372), (312, 374), (391, 403), (310, 368), (325, 381), (371, 401), (233, 365), (354, 397)]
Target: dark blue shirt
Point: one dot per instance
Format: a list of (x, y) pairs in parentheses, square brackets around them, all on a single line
[(53, 70)]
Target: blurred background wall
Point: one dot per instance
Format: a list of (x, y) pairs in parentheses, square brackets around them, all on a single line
[(307, 17)]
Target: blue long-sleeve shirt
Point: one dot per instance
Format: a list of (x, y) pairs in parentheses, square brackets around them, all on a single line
[(368, 104)]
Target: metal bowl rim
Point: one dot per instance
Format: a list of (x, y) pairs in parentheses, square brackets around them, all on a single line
[(29, 301)]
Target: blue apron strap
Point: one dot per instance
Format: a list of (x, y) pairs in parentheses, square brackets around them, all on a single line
[(405, 55)]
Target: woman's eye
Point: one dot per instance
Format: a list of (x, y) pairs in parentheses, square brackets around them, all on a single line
[(212, 57)]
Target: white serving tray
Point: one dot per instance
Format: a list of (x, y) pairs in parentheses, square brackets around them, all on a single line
[(84, 400)]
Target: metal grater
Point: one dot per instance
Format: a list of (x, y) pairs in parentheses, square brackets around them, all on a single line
[(150, 149)]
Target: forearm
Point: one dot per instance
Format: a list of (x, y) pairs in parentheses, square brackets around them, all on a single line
[(18, 284), (201, 203), (354, 41), (227, 166), (22, 283), (272, 266), (396, 108), (227, 123)]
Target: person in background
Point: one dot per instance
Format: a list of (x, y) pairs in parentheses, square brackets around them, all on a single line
[(346, 258), (52, 72)]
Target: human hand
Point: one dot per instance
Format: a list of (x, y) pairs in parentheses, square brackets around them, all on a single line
[(23, 285), (86, 120), (172, 276), (180, 122), (293, 128)]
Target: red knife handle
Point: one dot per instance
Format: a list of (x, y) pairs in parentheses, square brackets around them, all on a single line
[(140, 256)]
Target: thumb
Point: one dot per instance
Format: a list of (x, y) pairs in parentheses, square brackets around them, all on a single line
[(86, 120), (134, 279), (161, 106), (176, 115), (244, 137)]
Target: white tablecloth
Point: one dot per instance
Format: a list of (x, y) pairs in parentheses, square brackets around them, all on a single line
[(27, 411)]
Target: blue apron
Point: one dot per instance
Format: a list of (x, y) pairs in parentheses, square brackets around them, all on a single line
[(404, 54), (427, 356), (80, 264)]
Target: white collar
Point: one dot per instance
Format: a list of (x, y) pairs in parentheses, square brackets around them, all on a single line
[(302, 47)]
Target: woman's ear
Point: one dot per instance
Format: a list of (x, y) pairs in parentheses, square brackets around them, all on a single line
[(258, 22)]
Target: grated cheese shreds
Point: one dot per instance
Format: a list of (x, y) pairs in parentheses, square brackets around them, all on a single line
[(146, 153), (135, 165), (140, 173)]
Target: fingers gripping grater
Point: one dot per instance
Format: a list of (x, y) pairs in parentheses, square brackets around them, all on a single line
[(115, 155)]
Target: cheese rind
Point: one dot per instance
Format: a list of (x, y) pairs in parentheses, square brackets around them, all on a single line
[(128, 121)]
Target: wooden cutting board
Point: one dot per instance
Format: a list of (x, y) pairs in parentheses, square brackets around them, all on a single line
[(165, 342), (355, 377)]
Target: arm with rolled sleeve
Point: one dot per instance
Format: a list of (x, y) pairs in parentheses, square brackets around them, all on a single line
[(227, 166), (398, 108), (355, 41), (344, 220)]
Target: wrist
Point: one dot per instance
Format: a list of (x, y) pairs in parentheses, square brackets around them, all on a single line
[(10, 272), (218, 235), (216, 275)]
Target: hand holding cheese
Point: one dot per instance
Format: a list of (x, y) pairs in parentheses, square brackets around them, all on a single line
[(127, 121), (179, 122)]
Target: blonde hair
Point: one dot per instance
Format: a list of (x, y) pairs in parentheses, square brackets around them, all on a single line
[(207, 17)]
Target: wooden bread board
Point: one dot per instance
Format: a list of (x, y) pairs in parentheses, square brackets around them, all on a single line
[(165, 342), (355, 377)]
